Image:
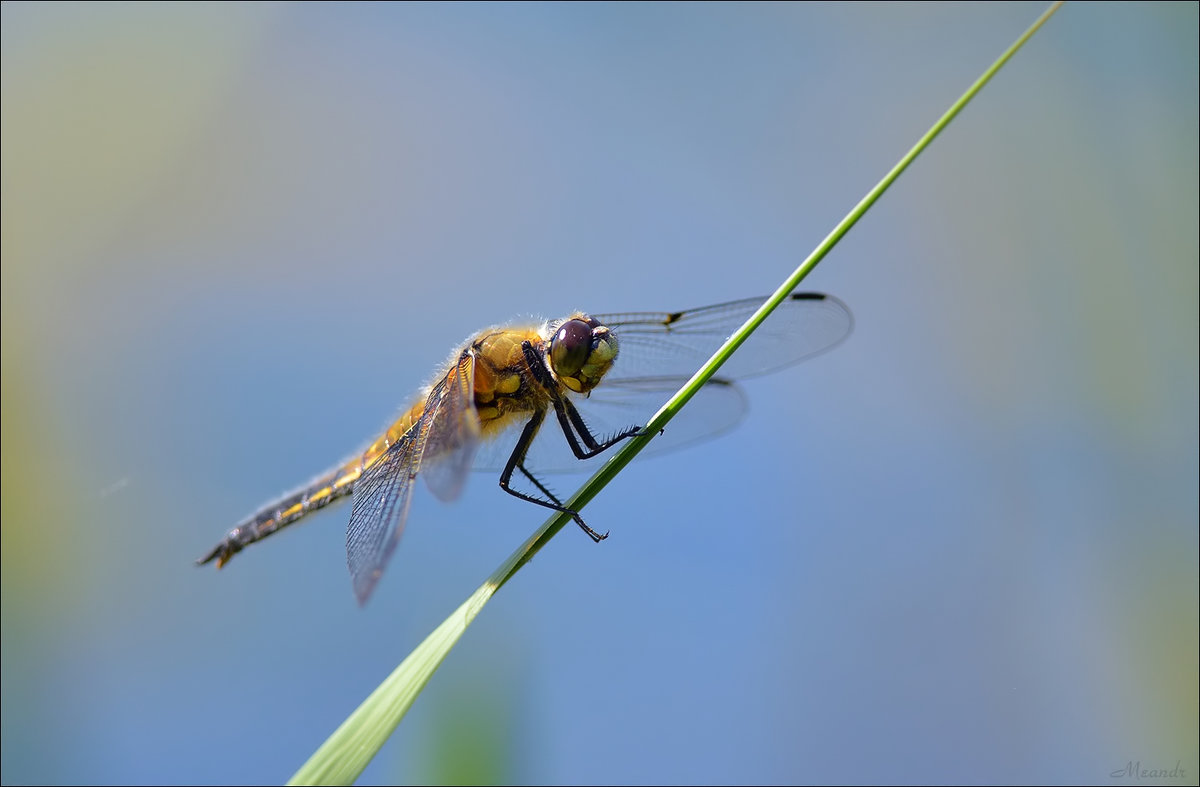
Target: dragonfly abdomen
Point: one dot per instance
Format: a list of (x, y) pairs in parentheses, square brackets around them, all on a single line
[(286, 510), (320, 492)]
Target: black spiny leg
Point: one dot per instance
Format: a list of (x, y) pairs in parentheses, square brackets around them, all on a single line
[(597, 537), (572, 424), (568, 417), (517, 461)]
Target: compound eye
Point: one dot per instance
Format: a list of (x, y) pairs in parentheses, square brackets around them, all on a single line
[(570, 347)]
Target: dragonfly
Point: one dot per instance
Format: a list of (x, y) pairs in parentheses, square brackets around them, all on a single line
[(602, 374)]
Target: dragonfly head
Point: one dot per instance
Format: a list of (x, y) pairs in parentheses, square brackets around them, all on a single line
[(582, 350)]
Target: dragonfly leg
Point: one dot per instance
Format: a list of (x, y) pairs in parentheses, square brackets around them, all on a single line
[(597, 537), (516, 461), (568, 417)]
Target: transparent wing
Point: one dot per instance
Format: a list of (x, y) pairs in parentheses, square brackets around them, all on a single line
[(669, 344), (381, 501), (659, 351), (453, 434), (718, 407), (441, 446), (715, 409)]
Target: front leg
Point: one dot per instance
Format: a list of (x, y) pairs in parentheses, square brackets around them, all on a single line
[(568, 417)]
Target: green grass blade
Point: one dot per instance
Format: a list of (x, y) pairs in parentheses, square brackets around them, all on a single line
[(347, 751)]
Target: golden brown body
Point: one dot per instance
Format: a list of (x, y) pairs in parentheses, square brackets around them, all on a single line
[(504, 388), (518, 376)]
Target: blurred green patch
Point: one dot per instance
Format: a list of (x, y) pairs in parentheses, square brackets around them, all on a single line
[(472, 736)]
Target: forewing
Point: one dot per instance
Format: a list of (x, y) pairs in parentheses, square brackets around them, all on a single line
[(660, 351), (452, 437), (669, 344)]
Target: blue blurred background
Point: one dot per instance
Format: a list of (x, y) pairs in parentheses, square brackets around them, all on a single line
[(961, 547)]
